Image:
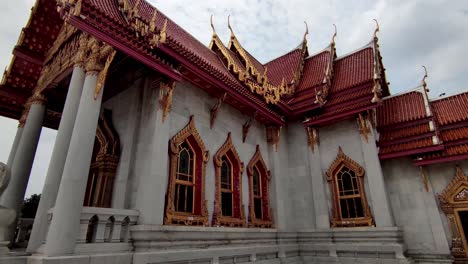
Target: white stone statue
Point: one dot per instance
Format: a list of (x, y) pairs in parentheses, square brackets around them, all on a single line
[(7, 216)]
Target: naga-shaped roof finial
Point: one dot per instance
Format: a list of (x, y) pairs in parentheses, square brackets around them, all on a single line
[(377, 29), (306, 32), (334, 35), (229, 25), (423, 82), (212, 25)]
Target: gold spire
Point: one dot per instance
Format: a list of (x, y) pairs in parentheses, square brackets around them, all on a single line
[(306, 32), (377, 29), (423, 82), (334, 35), (229, 25), (212, 26)]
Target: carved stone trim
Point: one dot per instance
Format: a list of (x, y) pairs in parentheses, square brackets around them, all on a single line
[(267, 220), (313, 137), (215, 109), (337, 221), (228, 149), (273, 135), (451, 203), (166, 91), (173, 217)]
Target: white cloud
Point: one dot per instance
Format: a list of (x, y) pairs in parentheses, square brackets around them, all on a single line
[(413, 33)]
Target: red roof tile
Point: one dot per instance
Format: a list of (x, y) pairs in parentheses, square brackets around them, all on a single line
[(284, 67), (404, 132), (314, 72), (353, 70), (454, 134), (452, 109), (411, 145), (402, 108)]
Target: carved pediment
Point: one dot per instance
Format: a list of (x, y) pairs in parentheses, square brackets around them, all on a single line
[(457, 190)]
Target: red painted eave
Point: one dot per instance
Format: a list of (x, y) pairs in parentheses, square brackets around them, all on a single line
[(410, 152), (440, 160)]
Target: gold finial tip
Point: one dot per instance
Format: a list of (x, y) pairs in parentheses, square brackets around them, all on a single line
[(377, 29), (211, 22), (229, 24), (334, 34), (423, 82)]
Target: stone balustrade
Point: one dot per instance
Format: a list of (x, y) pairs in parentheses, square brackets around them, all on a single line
[(104, 230)]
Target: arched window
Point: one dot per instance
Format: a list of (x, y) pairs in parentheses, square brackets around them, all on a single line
[(92, 229), (350, 206), (228, 207), (108, 232), (260, 213), (185, 198), (124, 230)]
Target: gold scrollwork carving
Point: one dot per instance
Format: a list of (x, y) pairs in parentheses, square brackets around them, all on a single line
[(141, 27), (364, 129), (273, 135), (215, 109), (313, 137), (166, 91)]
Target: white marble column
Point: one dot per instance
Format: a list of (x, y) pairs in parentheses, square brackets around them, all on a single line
[(322, 217), (377, 191), (14, 147), (14, 194), (57, 162), (64, 228)]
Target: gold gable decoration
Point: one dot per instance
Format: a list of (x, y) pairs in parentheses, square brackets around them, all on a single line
[(251, 77), (141, 27)]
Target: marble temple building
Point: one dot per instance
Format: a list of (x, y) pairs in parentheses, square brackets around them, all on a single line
[(172, 151)]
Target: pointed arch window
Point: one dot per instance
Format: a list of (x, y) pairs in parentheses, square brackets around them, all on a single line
[(260, 213), (185, 198), (350, 207), (229, 210)]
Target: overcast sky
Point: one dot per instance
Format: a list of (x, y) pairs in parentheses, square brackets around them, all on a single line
[(433, 33)]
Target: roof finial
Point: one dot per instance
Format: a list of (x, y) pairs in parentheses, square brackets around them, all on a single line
[(423, 82), (306, 32), (377, 29), (212, 25), (334, 35), (229, 25)]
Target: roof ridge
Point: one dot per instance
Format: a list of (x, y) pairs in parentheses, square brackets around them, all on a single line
[(368, 45), (448, 96), (415, 89), (287, 53)]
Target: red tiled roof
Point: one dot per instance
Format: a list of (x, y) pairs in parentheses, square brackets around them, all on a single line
[(404, 132), (314, 72), (454, 134), (284, 67), (402, 108), (353, 70), (183, 44), (411, 145), (452, 109)]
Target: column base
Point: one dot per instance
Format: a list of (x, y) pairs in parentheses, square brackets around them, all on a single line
[(7, 217)]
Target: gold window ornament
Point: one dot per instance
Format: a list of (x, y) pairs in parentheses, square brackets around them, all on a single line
[(185, 198), (260, 212), (349, 206), (228, 207), (454, 203)]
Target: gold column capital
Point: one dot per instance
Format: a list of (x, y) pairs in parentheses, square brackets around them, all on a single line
[(37, 98)]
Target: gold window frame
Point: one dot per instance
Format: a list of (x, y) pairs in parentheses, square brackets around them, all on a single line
[(218, 218), (266, 221), (337, 165), (452, 206), (172, 217)]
